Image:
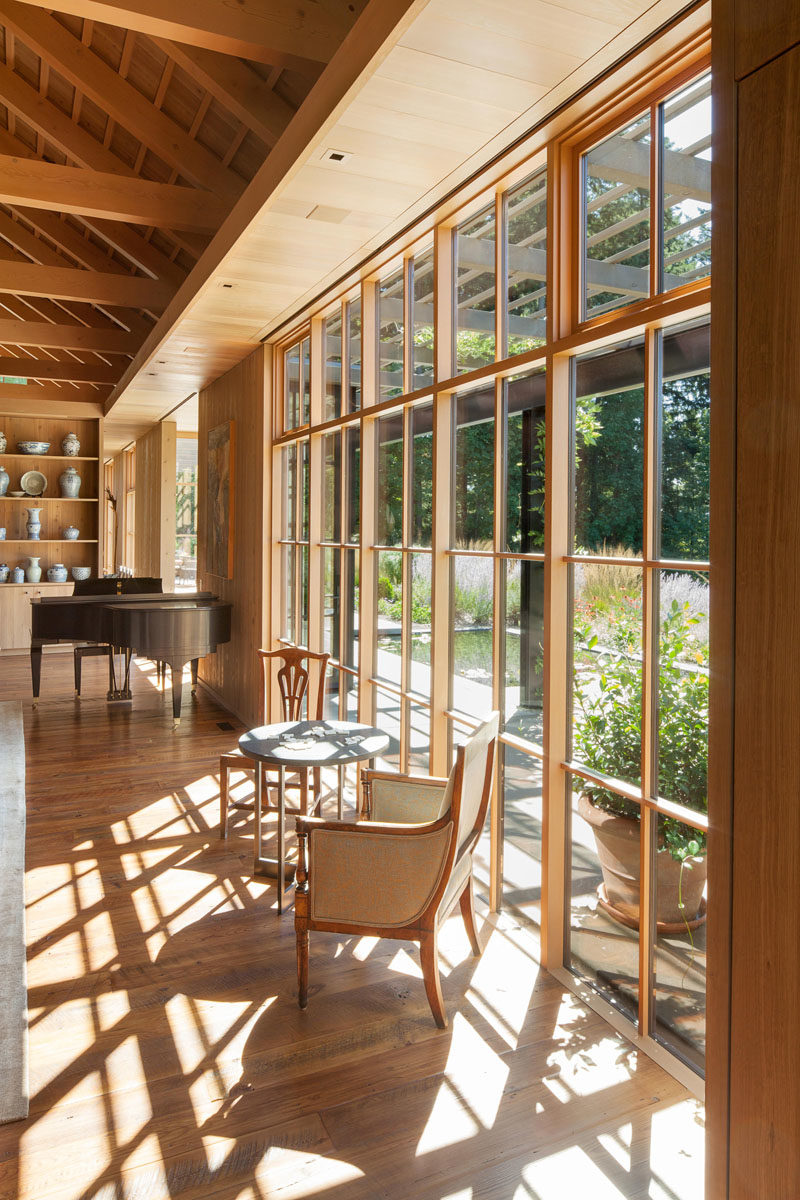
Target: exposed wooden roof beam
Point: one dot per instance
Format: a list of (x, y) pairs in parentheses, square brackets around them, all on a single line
[(99, 194), (237, 87), (46, 368), (118, 98), (67, 283), (306, 29), (47, 399), (67, 337)]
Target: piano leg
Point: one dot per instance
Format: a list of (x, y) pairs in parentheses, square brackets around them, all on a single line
[(36, 669), (177, 687), (195, 663), (126, 691)]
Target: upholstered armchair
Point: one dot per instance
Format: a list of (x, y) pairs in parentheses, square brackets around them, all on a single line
[(399, 873)]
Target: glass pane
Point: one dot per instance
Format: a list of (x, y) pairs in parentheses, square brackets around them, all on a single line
[(289, 470), (354, 352), (685, 443), (292, 387), (390, 480), (333, 367), (608, 451), (680, 951), (348, 682), (391, 329), (607, 674), (617, 230), (473, 614), (420, 676), (352, 446), (305, 491), (524, 649), (686, 172), (423, 317), (522, 842), (305, 355), (422, 474), (387, 717), (350, 570), (303, 596), (419, 739), (527, 264), (331, 599), (475, 292), (390, 615), (525, 461), (683, 689), (332, 482), (332, 682), (604, 901), (474, 474), (288, 630)]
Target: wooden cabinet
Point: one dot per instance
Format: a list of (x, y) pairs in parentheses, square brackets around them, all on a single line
[(57, 513)]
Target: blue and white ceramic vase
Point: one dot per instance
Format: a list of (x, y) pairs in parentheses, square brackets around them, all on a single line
[(34, 526), (3, 481), (3, 572), (33, 572), (3, 442), (2, 533), (18, 575), (70, 483), (71, 533), (70, 445), (57, 573)]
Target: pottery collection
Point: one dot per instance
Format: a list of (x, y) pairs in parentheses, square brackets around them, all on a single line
[(70, 445), (71, 533), (33, 572), (33, 526), (70, 483), (57, 573), (4, 481)]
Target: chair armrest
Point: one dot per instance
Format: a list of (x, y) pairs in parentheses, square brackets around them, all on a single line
[(402, 799), (379, 876)]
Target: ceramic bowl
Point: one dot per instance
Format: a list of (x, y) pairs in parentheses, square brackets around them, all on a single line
[(81, 573), (34, 483), (17, 495), (33, 447)]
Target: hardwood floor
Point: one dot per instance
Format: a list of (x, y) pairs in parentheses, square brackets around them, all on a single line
[(168, 1056)]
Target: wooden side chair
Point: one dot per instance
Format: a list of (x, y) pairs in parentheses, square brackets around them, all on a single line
[(398, 874), (295, 687)]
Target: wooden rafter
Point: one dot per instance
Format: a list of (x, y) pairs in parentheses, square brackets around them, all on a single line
[(37, 368), (34, 393), (304, 29), (67, 337), (99, 194), (67, 283)]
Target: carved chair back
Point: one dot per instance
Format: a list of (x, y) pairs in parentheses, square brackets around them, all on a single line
[(294, 680)]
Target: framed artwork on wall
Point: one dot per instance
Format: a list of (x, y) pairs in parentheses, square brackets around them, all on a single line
[(219, 515)]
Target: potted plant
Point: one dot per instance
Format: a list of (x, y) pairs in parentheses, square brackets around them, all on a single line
[(607, 738)]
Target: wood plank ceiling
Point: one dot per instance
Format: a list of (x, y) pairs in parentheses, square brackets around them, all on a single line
[(122, 151)]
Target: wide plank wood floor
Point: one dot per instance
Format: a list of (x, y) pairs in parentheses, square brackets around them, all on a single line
[(168, 1056)]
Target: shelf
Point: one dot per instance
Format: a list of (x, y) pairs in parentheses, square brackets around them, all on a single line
[(52, 500), (43, 583), (67, 458), (48, 541)]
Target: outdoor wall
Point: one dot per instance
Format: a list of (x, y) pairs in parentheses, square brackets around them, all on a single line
[(155, 504), (233, 673), (753, 1088)]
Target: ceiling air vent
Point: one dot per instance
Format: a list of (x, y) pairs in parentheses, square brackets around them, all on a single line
[(336, 156)]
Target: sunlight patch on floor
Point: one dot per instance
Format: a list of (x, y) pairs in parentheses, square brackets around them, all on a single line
[(588, 1067)]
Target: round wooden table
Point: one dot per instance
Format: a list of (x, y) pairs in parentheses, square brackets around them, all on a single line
[(302, 745)]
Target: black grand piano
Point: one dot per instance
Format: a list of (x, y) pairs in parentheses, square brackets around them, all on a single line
[(174, 628)]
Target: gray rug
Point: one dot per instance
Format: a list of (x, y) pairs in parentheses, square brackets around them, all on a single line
[(14, 1094)]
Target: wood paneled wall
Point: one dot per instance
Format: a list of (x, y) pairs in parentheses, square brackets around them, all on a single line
[(242, 396), (753, 1086), (155, 503)]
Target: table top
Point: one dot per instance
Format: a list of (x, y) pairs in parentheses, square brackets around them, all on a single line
[(313, 743)]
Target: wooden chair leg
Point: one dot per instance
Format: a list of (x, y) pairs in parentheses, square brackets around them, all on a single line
[(302, 966), (467, 903), (224, 777), (429, 955), (304, 791)]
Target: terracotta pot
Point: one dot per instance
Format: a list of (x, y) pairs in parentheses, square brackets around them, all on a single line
[(617, 840)]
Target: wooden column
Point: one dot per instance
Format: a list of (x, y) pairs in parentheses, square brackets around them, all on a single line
[(753, 1088), (155, 504)]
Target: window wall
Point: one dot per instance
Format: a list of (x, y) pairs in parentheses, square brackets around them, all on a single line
[(496, 496)]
